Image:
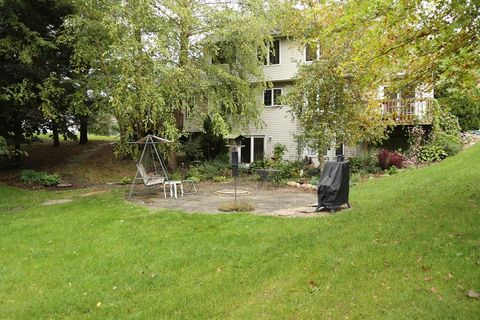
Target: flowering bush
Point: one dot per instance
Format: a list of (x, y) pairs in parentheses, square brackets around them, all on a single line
[(387, 159)]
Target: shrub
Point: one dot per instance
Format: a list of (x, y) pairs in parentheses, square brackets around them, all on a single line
[(279, 151), (241, 206), (259, 164), (392, 170), (220, 179), (432, 153), (314, 181), (289, 170), (312, 172), (125, 180), (175, 175), (386, 159), (208, 170), (30, 176), (365, 163), (450, 143)]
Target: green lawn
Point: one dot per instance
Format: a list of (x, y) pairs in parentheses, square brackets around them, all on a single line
[(409, 249)]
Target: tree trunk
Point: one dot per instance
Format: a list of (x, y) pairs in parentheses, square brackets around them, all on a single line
[(83, 129), (17, 140), (56, 139)]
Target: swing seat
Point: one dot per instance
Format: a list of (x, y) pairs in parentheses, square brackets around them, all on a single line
[(149, 180)]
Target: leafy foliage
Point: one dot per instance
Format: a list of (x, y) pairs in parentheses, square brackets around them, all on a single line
[(30, 176), (151, 60), (32, 62), (333, 106), (431, 153), (445, 131), (209, 170), (387, 159), (279, 151), (365, 163)]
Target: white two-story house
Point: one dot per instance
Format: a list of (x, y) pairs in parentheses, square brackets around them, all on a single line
[(280, 68)]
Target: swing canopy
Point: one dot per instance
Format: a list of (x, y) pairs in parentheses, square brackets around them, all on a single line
[(150, 138)]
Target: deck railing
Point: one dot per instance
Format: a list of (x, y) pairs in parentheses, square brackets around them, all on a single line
[(409, 111)]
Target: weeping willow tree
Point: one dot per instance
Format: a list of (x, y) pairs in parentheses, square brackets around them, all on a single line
[(149, 61)]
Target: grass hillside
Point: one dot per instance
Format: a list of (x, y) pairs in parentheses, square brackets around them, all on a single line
[(409, 249)]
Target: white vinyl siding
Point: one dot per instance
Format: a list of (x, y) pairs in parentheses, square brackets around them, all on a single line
[(291, 54), (279, 127)]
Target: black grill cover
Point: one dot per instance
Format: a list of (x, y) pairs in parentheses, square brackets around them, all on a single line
[(333, 187)]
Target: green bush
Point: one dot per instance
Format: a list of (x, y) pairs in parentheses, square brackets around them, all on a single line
[(125, 180), (432, 153), (314, 181), (46, 179), (289, 170), (259, 164), (392, 170), (220, 179), (450, 143), (209, 170), (279, 151), (312, 172), (365, 163)]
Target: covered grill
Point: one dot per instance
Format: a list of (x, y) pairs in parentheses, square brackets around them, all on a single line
[(333, 187)]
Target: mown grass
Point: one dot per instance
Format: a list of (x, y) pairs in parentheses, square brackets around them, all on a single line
[(409, 249)]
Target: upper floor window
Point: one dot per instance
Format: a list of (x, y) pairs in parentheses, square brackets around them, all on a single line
[(271, 97), (273, 56), (312, 52)]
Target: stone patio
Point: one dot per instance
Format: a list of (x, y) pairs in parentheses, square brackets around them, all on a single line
[(282, 201)]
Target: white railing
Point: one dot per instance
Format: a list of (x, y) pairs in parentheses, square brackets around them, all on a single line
[(408, 111)]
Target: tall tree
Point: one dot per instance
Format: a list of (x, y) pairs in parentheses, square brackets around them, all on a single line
[(152, 59), (373, 42), (29, 60)]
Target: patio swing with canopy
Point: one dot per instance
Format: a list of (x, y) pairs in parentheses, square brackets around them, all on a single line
[(151, 170)]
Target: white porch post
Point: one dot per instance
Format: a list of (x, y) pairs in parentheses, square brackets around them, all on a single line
[(251, 149)]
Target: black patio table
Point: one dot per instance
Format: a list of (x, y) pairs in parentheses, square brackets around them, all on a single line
[(270, 176)]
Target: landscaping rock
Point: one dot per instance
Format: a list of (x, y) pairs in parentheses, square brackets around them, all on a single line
[(56, 201), (473, 294), (64, 185)]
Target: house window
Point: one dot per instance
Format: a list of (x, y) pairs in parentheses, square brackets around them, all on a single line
[(273, 56), (271, 97), (309, 152), (312, 52)]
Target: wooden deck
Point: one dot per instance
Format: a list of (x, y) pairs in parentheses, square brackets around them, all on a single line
[(408, 111)]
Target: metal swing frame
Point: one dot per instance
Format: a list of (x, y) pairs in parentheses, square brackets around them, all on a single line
[(150, 141)]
